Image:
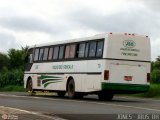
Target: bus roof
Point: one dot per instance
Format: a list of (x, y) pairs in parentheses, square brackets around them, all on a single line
[(97, 36)]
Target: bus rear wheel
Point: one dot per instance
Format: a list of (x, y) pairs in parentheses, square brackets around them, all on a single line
[(30, 88), (105, 96), (71, 89)]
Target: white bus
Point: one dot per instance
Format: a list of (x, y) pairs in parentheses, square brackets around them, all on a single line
[(104, 64)]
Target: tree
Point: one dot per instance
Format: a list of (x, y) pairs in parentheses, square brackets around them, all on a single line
[(17, 58), (155, 70), (4, 61), (158, 58), (155, 76), (12, 66)]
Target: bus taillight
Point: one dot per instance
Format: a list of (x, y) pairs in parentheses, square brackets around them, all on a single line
[(148, 77), (106, 75)]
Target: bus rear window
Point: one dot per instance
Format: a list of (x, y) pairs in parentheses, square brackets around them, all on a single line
[(99, 49)]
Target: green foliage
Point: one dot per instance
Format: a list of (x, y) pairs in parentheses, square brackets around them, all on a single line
[(158, 58), (152, 66), (155, 76), (12, 67), (4, 61), (12, 88), (12, 77), (155, 71), (16, 58), (154, 91)]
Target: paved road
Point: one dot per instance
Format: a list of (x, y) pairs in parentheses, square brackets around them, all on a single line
[(88, 108)]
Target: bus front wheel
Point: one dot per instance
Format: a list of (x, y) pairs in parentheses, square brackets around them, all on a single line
[(30, 88)]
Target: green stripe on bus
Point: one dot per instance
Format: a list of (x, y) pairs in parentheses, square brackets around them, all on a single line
[(125, 87), (46, 76), (47, 80), (46, 84)]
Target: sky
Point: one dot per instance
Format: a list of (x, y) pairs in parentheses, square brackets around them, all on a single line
[(29, 22)]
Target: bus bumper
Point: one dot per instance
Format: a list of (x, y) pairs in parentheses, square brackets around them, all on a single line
[(125, 88)]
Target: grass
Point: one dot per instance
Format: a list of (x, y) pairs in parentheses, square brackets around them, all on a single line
[(12, 88)]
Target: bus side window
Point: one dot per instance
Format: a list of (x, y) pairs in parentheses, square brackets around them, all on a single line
[(61, 52), (50, 55), (99, 49), (81, 50), (45, 55), (36, 54), (67, 51), (41, 54), (92, 49), (55, 52), (72, 51), (86, 49)]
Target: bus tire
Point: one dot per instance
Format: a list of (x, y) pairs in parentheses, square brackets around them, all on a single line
[(61, 93), (71, 89), (105, 96), (30, 88)]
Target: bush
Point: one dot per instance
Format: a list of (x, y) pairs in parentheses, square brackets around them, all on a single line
[(155, 76), (12, 88), (154, 91), (12, 77)]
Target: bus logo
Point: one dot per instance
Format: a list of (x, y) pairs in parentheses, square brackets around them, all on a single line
[(129, 43)]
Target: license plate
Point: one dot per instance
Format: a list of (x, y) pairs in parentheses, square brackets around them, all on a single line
[(128, 78)]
